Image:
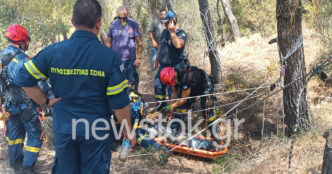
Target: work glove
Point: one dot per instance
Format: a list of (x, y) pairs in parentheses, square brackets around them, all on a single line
[(167, 109)]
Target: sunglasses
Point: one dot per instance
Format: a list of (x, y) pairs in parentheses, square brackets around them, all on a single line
[(122, 18)]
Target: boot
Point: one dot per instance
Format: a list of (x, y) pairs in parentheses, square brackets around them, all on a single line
[(162, 155), (28, 170), (17, 165)]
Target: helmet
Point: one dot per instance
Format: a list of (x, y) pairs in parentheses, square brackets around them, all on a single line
[(167, 76), (17, 33), (168, 16)]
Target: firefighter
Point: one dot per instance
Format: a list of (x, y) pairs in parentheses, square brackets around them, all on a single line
[(23, 115), (171, 52), (188, 82), (88, 86)]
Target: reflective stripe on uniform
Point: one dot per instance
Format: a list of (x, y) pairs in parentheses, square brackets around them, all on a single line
[(212, 118), (118, 88), (180, 110), (15, 60), (141, 138), (32, 149), (32, 69), (160, 97), (14, 142)]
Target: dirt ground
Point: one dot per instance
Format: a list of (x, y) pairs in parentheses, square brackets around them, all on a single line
[(255, 60)]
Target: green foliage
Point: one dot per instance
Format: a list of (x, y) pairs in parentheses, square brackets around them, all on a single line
[(323, 23), (46, 21), (256, 16), (190, 21), (7, 14)]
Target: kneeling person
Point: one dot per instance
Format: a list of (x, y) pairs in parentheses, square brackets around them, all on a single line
[(188, 82)]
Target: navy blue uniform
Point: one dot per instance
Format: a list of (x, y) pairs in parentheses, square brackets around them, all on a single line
[(169, 56), (142, 136), (23, 118), (87, 76)]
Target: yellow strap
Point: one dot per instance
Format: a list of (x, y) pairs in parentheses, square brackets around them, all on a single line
[(14, 142), (132, 94), (181, 110), (32, 149), (212, 118), (160, 97), (136, 126), (118, 88), (15, 60), (140, 139)]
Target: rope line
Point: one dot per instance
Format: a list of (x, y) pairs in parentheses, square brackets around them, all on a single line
[(221, 106), (290, 156), (207, 95), (219, 119), (297, 45)]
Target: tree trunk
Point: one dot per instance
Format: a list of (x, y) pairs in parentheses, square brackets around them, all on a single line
[(231, 18), (220, 25), (168, 4), (327, 160), (128, 3), (154, 9), (65, 35), (209, 32), (289, 19)]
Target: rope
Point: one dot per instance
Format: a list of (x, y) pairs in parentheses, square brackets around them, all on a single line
[(207, 95), (290, 156), (283, 58), (221, 106), (181, 143), (272, 94), (217, 120), (297, 45)]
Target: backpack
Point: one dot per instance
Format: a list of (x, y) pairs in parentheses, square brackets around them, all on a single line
[(4, 62)]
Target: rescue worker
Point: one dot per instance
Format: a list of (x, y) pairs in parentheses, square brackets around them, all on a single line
[(23, 115), (88, 85), (123, 37), (188, 83), (171, 52), (145, 134)]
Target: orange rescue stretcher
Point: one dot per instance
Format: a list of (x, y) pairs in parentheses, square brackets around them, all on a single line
[(197, 152), (209, 154)]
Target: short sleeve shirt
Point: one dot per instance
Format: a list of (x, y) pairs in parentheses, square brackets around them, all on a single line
[(156, 28), (194, 79), (123, 38), (168, 54), (86, 76)]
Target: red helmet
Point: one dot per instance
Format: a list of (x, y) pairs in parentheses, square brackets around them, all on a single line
[(167, 76), (17, 33)]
